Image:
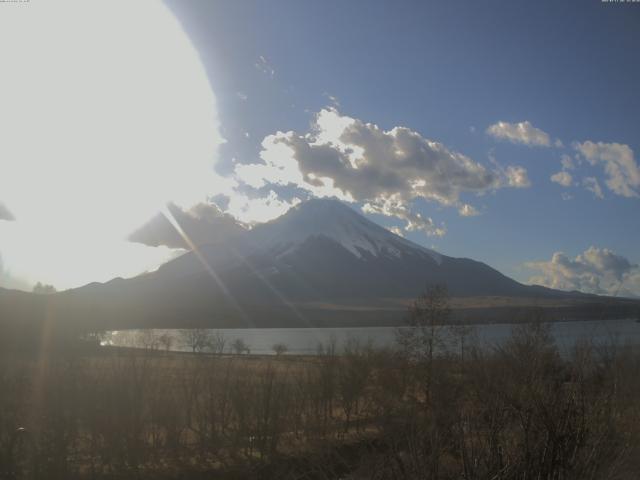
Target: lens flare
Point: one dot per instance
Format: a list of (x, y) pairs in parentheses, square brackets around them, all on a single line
[(106, 113)]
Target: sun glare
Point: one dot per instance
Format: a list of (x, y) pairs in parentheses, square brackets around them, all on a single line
[(106, 113)]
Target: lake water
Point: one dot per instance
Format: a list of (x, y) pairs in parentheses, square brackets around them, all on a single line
[(306, 340)]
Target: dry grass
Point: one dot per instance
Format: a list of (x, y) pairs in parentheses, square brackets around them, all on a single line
[(520, 412)]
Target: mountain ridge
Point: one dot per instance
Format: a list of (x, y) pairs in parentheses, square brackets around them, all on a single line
[(320, 264), (321, 225)]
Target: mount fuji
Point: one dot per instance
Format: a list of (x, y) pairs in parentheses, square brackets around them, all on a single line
[(320, 264), (324, 251)]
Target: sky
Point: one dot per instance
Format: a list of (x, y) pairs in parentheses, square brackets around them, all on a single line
[(506, 132)]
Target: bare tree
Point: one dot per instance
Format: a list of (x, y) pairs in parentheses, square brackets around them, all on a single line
[(240, 346), (422, 336), (461, 332), (166, 340), (198, 339), (280, 348), (148, 339), (218, 342)]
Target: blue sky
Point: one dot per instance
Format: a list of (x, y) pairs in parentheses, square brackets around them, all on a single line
[(503, 131), (448, 71)]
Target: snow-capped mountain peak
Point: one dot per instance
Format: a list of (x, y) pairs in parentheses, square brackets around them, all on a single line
[(332, 219)]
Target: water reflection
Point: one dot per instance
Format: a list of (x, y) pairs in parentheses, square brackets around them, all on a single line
[(305, 341)]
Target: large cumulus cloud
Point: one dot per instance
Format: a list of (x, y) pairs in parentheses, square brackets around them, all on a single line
[(596, 270), (385, 169)]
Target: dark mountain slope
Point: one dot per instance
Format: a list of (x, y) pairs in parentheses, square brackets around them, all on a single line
[(322, 263)]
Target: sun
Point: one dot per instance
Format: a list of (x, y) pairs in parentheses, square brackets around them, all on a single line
[(106, 113)]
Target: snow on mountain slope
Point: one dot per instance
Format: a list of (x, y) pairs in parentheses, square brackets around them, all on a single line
[(334, 220), (315, 219), (298, 270)]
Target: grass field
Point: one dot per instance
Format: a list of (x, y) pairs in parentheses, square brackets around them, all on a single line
[(518, 412)]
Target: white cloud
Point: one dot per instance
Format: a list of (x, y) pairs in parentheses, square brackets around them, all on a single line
[(265, 67), (592, 184), (259, 209), (566, 196), (563, 178), (357, 161), (467, 210), (596, 270), (397, 230), (523, 133), (333, 100), (415, 221), (517, 177), (567, 162), (623, 173)]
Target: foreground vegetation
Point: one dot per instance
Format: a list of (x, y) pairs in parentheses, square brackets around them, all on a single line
[(520, 411)]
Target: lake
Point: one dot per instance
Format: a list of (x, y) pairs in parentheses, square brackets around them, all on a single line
[(305, 341)]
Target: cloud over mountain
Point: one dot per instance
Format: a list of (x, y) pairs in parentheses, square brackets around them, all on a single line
[(596, 270), (385, 169), (202, 224), (523, 133), (414, 220), (256, 209)]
